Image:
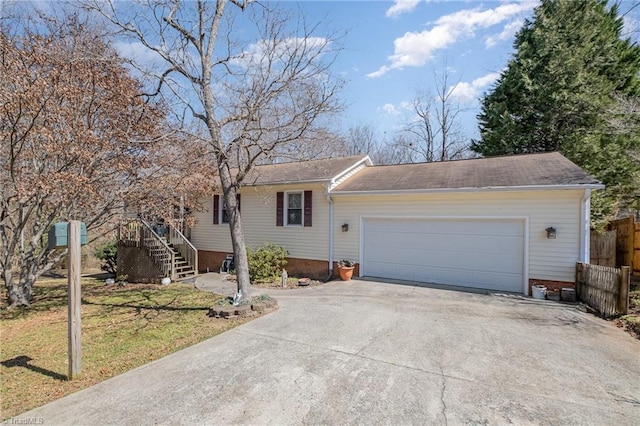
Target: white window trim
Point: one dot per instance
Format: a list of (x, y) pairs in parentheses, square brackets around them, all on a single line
[(286, 209)]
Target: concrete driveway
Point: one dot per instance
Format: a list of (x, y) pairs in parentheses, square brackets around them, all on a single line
[(363, 352)]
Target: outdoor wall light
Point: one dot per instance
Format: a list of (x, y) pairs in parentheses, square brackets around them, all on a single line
[(551, 233), (345, 227)]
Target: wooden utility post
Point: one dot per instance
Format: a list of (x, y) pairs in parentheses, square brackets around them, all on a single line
[(73, 271)]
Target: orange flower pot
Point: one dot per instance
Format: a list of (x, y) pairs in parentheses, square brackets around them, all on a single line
[(346, 272)]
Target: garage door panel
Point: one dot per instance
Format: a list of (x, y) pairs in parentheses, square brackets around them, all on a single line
[(471, 261), (476, 253), (466, 227)]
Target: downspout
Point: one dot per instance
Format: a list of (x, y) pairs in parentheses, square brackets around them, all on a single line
[(585, 226), (330, 200)]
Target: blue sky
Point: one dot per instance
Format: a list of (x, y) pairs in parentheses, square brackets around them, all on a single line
[(395, 48)]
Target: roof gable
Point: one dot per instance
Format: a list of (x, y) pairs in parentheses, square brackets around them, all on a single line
[(531, 170), (325, 170)]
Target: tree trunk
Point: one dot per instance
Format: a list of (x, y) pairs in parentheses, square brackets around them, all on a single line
[(19, 295), (237, 236)]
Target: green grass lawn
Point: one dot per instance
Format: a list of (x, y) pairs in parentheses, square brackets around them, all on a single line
[(122, 328)]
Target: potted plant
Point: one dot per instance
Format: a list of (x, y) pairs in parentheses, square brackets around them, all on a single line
[(345, 267)]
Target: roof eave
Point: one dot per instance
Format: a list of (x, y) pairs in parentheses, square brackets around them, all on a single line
[(472, 189), (289, 182)]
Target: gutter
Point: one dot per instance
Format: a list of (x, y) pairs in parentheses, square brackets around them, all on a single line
[(330, 200), (585, 226)]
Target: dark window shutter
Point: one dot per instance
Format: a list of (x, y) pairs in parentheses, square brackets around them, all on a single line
[(279, 208), (238, 202), (216, 209), (308, 208)]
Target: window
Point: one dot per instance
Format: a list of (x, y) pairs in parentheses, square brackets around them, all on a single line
[(294, 208), (224, 215), (220, 213)]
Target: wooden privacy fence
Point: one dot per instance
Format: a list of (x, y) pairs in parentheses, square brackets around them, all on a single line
[(627, 243), (603, 248), (603, 288)]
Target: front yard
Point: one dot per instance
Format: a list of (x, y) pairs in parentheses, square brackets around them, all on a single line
[(122, 328)]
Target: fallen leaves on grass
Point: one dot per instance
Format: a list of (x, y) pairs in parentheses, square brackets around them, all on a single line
[(123, 327)]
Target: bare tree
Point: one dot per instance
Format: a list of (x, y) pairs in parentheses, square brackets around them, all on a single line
[(77, 140), (360, 139), (433, 133), (398, 151), (254, 98)]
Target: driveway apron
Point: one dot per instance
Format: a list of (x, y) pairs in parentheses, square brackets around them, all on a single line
[(363, 352)]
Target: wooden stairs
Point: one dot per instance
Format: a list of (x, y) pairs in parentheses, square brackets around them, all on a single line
[(173, 254), (184, 270)]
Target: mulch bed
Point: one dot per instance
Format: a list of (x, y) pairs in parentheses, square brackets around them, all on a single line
[(292, 283)]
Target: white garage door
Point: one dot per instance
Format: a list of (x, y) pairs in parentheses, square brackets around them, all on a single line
[(477, 253)]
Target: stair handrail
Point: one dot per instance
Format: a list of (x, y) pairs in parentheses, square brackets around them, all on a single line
[(166, 260), (184, 246)]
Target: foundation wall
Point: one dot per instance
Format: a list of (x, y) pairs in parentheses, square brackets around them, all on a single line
[(315, 269)]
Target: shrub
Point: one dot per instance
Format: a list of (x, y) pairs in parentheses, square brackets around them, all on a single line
[(108, 253), (266, 262)]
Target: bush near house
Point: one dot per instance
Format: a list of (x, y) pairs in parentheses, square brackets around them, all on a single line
[(108, 253), (266, 262)]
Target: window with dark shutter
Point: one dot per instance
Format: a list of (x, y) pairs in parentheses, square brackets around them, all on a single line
[(224, 216)]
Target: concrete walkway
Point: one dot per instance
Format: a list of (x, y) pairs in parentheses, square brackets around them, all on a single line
[(363, 352), (216, 283)]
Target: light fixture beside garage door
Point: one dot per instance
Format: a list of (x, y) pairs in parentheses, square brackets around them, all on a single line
[(551, 233)]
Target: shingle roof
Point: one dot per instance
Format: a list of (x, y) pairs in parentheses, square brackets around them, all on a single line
[(303, 171), (495, 172)]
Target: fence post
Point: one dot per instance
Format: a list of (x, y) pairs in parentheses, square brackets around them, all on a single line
[(625, 281), (578, 280)]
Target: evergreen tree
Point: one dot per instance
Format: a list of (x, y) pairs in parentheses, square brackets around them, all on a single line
[(563, 90)]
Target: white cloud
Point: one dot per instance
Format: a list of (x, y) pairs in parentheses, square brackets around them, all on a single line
[(265, 50), (406, 105), (414, 49), (390, 109), (395, 110), (469, 92), (401, 6), (141, 54), (508, 32)]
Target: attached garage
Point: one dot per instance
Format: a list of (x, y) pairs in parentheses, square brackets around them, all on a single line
[(479, 223), (468, 252)]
